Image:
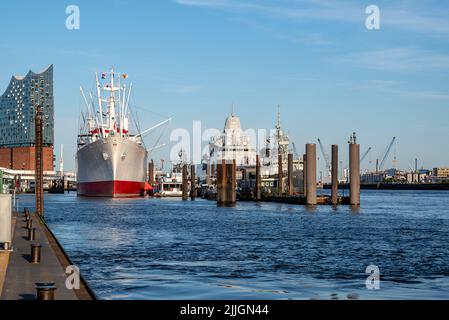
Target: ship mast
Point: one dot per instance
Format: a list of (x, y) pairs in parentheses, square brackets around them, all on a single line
[(99, 104), (120, 123), (278, 129), (127, 100), (122, 113), (111, 110), (61, 161), (114, 121)]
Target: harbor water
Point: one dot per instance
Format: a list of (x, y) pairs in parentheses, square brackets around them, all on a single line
[(168, 249)]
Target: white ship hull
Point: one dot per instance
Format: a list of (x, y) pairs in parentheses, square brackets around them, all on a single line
[(111, 167)]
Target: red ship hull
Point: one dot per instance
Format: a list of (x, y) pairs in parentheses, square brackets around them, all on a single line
[(115, 189)]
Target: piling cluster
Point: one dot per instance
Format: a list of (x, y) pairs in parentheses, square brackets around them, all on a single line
[(354, 174), (226, 181)]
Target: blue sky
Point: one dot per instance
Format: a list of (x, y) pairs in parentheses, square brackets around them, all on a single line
[(192, 59)]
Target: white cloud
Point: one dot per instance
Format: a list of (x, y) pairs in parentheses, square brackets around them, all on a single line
[(426, 95), (395, 88), (291, 9), (416, 20), (397, 59), (184, 88), (408, 16), (308, 39), (294, 78)]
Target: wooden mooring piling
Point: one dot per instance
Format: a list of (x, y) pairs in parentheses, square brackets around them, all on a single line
[(226, 183), (285, 192)]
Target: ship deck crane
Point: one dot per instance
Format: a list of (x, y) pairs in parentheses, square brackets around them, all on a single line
[(295, 151)]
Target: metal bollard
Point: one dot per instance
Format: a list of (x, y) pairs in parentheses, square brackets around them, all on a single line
[(46, 291), (31, 234), (29, 224), (36, 252)]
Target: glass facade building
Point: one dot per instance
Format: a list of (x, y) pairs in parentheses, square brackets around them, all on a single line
[(17, 109)]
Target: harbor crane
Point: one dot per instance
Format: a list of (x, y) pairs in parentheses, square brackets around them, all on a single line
[(385, 155), (365, 154), (326, 158)]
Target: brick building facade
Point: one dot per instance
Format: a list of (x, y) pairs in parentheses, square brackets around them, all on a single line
[(22, 158)]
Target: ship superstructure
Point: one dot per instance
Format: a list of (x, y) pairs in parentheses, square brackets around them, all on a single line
[(233, 144), (278, 144)]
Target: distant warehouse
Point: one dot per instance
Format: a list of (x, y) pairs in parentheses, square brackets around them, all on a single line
[(441, 172), (17, 110)]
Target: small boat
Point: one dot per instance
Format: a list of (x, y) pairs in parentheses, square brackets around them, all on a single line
[(170, 185)]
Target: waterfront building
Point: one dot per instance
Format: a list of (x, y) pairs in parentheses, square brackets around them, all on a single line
[(412, 177), (441, 172), (371, 178), (17, 109)]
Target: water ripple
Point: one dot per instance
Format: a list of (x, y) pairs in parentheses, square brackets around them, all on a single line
[(169, 249)]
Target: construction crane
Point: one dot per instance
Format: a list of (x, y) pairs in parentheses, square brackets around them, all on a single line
[(385, 155), (326, 158), (364, 155), (295, 152)]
